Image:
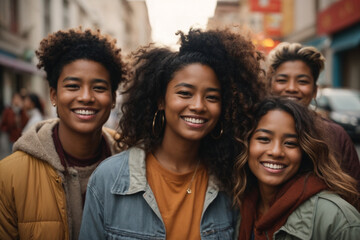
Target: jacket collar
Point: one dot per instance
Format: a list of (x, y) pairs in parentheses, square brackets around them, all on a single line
[(132, 175), (38, 142), (134, 171), (301, 222)]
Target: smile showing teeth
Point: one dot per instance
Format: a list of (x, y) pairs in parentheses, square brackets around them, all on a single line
[(292, 98), (84, 112), (194, 120), (273, 166)]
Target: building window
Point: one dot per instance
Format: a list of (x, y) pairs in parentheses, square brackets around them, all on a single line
[(66, 14), (9, 15), (14, 16), (47, 18)]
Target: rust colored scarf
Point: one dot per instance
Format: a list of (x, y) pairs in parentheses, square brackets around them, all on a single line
[(290, 196)]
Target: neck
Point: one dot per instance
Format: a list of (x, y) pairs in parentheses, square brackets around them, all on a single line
[(80, 145), (267, 195), (180, 157)]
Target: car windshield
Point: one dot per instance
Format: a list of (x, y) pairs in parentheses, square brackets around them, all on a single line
[(345, 102)]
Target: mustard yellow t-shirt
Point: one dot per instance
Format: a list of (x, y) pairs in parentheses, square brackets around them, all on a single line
[(180, 211)]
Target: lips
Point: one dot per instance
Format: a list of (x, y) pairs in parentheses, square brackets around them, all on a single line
[(274, 166), (85, 112), (194, 120), (293, 98)]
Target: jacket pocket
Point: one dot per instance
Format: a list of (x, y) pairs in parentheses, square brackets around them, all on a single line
[(221, 233), (115, 234)]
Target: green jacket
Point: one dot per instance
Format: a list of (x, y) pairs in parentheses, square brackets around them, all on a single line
[(323, 216)]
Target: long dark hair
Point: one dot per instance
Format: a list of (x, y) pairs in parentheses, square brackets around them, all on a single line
[(34, 98), (316, 157), (236, 65)]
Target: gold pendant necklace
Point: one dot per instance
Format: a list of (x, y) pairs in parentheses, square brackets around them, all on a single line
[(188, 190)]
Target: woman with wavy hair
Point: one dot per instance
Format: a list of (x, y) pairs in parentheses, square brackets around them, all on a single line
[(287, 184), (181, 114), (293, 73)]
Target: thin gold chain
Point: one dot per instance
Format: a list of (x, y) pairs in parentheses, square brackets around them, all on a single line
[(188, 190)]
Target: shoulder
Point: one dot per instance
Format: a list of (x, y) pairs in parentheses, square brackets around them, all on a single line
[(15, 162), (324, 216), (335, 217), (18, 168), (112, 164), (333, 126), (115, 166), (111, 136), (332, 204)]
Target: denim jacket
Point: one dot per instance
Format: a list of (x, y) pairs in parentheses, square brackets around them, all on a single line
[(121, 205)]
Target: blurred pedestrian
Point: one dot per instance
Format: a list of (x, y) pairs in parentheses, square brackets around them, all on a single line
[(34, 110), (43, 183), (181, 116), (293, 72), (294, 188), (14, 119)]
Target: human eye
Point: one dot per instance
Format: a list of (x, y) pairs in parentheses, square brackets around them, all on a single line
[(303, 81), (281, 80), (100, 88), (213, 98), (184, 94), (291, 143), (72, 86), (262, 139)]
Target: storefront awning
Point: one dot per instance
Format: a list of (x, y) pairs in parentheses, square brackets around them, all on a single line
[(18, 64), (319, 42), (348, 39)]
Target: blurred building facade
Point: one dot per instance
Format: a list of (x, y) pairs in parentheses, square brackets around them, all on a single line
[(333, 26), (23, 23)]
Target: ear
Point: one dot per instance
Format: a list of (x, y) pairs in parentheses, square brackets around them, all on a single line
[(161, 104), (53, 95)]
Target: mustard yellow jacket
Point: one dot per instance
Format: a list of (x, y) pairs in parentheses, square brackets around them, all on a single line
[(32, 193)]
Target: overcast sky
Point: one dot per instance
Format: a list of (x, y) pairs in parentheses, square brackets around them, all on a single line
[(168, 16)]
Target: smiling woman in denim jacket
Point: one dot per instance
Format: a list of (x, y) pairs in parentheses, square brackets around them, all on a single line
[(181, 114)]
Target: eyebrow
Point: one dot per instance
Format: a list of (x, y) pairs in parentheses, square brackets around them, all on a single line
[(193, 87), (286, 75), (288, 135), (95, 80)]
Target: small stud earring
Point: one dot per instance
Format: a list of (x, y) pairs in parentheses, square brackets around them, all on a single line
[(54, 104)]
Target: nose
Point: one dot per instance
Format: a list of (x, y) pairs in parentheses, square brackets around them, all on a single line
[(197, 104), (276, 150), (292, 87), (86, 95)]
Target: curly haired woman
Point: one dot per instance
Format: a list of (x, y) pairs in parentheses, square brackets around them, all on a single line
[(293, 72), (288, 185), (181, 115), (43, 182)]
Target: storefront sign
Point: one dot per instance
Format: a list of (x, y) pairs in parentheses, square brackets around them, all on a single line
[(338, 16), (265, 6)]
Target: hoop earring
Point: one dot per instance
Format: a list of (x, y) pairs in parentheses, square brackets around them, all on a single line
[(219, 135), (154, 123)]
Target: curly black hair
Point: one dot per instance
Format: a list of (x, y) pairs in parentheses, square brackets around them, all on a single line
[(236, 64), (63, 47)]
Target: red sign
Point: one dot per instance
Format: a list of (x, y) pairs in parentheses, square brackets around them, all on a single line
[(338, 16), (273, 24), (265, 6)]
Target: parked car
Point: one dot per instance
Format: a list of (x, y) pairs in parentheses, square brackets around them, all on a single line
[(341, 106)]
